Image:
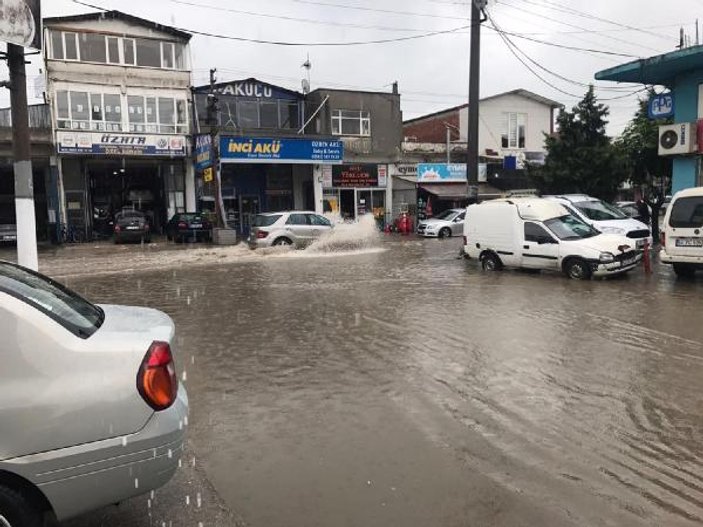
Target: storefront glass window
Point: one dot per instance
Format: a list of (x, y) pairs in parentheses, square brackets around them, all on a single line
[(92, 47), (148, 53), (113, 50), (57, 45), (248, 114), (166, 115), (113, 112), (71, 46)]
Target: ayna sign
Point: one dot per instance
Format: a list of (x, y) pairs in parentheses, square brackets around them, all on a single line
[(281, 151), (661, 106)]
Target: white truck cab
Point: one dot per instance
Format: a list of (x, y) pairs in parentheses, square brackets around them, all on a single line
[(535, 233), (682, 232), (606, 218)]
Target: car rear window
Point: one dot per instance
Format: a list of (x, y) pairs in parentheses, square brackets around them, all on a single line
[(266, 220), (687, 213), (73, 312)]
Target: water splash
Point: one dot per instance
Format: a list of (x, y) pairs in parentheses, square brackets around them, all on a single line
[(347, 237)]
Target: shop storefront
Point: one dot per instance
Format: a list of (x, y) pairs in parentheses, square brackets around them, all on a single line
[(267, 175), (103, 173), (352, 191)]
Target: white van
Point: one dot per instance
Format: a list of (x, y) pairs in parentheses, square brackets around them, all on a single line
[(682, 233), (534, 233), (607, 218)]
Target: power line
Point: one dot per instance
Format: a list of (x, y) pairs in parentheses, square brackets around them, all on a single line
[(295, 19), (302, 44), (375, 10), (572, 11), (568, 24)]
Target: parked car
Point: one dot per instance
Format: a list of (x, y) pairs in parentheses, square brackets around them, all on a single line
[(534, 233), (682, 234), (296, 228), (631, 210), (8, 233), (606, 218), (132, 225), (8, 226), (91, 410), (188, 226), (445, 225)]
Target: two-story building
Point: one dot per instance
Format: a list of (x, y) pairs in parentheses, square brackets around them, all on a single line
[(370, 126), (119, 91), (327, 151)]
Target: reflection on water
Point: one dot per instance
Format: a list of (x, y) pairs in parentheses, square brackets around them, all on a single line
[(407, 387)]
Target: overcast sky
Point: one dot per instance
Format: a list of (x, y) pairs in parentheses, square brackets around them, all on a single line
[(432, 72)]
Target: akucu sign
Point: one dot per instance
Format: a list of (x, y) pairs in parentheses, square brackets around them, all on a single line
[(248, 89)]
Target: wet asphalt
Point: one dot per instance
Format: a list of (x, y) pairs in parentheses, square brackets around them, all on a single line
[(401, 385)]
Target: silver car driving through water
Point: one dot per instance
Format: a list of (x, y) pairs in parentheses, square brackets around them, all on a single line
[(296, 228), (91, 410)]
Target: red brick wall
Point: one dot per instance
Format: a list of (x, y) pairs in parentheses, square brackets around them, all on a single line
[(432, 129)]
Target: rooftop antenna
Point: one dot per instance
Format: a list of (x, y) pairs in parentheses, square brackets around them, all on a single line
[(306, 82), (681, 39), (698, 41)]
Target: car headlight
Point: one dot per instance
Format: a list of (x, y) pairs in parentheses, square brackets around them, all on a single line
[(613, 230), (607, 257)]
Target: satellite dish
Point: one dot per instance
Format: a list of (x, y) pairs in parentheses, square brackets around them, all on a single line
[(306, 86)]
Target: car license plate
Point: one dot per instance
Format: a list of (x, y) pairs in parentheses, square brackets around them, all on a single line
[(132, 227), (689, 242), (629, 262), (196, 225)]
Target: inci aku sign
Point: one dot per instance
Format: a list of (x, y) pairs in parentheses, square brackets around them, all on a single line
[(280, 151), (661, 106), (20, 22)]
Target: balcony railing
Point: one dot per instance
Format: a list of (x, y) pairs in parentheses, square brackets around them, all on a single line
[(39, 117)]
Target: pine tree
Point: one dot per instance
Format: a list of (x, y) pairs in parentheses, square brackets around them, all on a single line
[(581, 158)]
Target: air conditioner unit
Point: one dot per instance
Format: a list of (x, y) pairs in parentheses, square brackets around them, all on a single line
[(678, 139)]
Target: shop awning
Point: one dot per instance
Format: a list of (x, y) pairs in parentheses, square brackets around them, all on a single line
[(660, 69), (458, 191)]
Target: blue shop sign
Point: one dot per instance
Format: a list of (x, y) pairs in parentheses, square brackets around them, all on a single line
[(281, 151), (661, 106), (440, 172), (203, 152)]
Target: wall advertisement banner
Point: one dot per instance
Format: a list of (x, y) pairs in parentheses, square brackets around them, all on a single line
[(440, 172), (281, 151), (117, 144)]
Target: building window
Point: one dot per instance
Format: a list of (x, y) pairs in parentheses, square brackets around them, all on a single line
[(71, 46), (113, 112), (151, 115), (148, 53), (92, 48), (514, 128), (136, 113), (167, 55), (129, 54), (248, 114), (62, 110), (96, 112), (113, 50), (351, 122), (57, 45), (80, 114)]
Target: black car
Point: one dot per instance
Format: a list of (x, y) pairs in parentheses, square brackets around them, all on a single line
[(187, 227), (132, 225)]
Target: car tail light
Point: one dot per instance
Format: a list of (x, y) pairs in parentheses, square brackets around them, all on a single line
[(182, 225), (261, 234), (117, 228), (156, 381)]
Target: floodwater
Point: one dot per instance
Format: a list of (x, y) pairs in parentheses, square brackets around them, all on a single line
[(397, 385)]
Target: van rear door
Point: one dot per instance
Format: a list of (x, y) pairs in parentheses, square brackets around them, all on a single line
[(539, 249), (685, 227)]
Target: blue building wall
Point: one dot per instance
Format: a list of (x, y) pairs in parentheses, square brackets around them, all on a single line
[(685, 171)]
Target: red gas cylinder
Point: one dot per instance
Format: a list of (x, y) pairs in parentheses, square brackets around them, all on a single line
[(404, 224)]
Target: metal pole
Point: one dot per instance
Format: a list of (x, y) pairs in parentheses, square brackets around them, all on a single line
[(220, 214), (449, 145), (474, 85), (24, 185)]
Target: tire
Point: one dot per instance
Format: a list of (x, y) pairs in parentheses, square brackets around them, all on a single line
[(577, 269), (446, 232), (491, 262), (17, 511), (684, 270), (282, 242)]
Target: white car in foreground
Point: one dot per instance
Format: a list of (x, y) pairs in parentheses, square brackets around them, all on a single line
[(91, 410)]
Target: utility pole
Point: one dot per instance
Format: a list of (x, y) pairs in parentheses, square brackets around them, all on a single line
[(24, 184), (213, 121), (477, 7)]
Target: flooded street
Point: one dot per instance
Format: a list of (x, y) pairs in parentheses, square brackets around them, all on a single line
[(400, 385)]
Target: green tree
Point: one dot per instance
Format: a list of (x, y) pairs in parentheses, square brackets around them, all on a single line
[(581, 158), (646, 169)]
